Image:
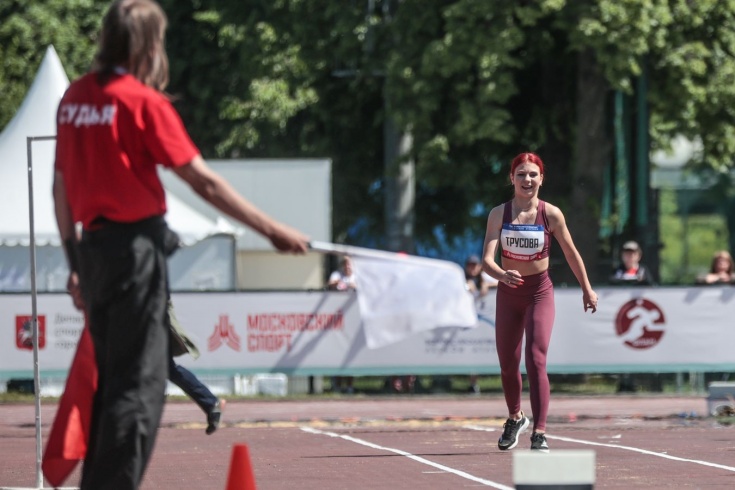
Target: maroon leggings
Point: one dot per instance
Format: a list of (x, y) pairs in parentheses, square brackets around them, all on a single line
[(528, 308)]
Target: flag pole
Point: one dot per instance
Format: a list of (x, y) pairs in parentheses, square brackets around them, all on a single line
[(340, 249)]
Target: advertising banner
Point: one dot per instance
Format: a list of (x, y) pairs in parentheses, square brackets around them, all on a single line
[(320, 333)]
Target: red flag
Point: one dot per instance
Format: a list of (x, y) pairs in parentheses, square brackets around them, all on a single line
[(67, 442)]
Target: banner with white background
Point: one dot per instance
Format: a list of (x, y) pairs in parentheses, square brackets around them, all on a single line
[(320, 333)]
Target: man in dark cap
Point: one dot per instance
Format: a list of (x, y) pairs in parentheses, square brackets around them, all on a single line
[(631, 272)]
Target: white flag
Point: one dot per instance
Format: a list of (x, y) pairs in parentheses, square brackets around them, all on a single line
[(400, 295)]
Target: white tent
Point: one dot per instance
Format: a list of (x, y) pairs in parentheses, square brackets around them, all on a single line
[(36, 117)]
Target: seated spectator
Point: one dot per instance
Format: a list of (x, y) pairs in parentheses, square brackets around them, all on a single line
[(631, 271), (343, 279), (479, 283), (721, 270)]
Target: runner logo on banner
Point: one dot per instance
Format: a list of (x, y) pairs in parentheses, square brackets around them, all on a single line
[(640, 323)]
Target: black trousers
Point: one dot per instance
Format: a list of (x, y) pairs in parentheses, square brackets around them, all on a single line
[(124, 282)]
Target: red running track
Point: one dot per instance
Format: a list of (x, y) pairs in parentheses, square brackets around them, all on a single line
[(411, 442)]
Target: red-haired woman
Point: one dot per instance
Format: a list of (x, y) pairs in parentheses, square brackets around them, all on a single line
[(521, 229)]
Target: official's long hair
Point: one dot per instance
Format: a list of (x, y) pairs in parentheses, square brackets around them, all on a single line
[(132, 38)]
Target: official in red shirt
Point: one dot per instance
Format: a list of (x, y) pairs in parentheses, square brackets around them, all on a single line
[(114, 127)]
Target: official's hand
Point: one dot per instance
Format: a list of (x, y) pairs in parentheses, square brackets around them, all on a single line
[(72, 287), (287, 239)]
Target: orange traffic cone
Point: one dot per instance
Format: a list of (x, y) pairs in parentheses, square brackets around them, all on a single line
[(241, 473)]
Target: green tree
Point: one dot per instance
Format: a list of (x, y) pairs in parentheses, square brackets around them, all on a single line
[(474, 82), (282, 79), (27, 28), (540, 76)]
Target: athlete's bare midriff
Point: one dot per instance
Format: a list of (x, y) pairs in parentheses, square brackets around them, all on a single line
[(526, 268)]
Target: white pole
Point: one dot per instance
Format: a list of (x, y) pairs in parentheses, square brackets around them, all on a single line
[(34, 321)]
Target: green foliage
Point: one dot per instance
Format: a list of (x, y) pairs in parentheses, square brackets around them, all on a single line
[(27, 28), (474, 81)]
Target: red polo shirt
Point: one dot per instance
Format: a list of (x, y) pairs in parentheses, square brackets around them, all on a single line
[(109, 140)]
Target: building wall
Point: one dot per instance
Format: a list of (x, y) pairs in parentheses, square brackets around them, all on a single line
[(271, 270)]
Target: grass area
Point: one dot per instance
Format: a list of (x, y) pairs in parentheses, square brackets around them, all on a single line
[(572, 384), (14, 397)]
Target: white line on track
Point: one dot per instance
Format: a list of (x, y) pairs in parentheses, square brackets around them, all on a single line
[(626, 448), (644, 451), (418, 459), (479, 427)]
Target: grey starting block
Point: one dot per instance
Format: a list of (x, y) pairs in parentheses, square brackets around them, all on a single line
[(557, 470), (720, 393)]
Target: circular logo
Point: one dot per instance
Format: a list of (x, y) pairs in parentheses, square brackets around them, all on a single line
[(640, 323)]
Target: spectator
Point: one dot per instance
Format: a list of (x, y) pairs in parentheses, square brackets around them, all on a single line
[(631, 271), (479, 283), (343, 279), (186, 380), (721, 270)]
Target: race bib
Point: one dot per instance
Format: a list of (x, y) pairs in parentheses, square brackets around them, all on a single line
[(522, 242)]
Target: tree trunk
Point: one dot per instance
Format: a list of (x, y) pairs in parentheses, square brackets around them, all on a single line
[(593, 151), (400, 188)]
